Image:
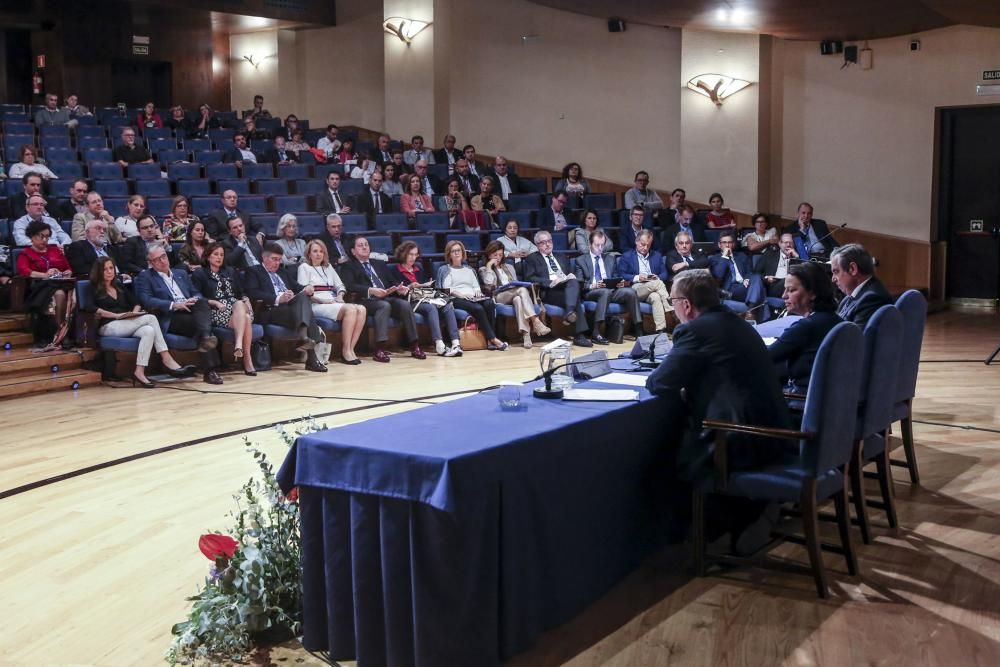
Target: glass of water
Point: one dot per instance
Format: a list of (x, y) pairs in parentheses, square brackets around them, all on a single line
[(509, 396)]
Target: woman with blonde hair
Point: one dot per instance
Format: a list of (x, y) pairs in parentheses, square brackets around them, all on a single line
[(328, 298), (495, 275), (459, 277), (128, 224), (288, 239)]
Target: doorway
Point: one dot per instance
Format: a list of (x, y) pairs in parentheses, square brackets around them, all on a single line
[(136, 82)]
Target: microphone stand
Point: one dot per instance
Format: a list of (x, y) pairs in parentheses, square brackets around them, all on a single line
[(650, 362), (547, 391)]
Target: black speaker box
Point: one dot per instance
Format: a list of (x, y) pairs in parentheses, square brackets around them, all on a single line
[(616, 25), (829, 48)]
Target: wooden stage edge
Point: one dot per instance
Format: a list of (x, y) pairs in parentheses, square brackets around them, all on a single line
[(97, 566)]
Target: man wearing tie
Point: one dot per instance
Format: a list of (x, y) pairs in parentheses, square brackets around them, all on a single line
[(372, 201), (812, 237), (83, 253), (278, 154), (286, 302), (217, 221), (773, 265), (332, 238), (683, 257), (432, 184), (330, 200), (242, 251), (597, 272), (686, 222), (417, 151), (646, 270), (448, 154), (556, 285), (854, 275), (469, 182), (732, 270), (381, 154), (370, 279), (179, 308)]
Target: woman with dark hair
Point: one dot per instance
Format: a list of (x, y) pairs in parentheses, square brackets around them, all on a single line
[(148, 117), (463, 282), (808, 293), (488, 201), (220, 285), (175, 225), (453, 203), (291, 124), (718, 217), (179, 123), (206, 121), (297, 143), (762, 237), (119, 314), (51, 282), (580, 237), (392, 182), (514, 245), (494, 276), (197, 241), (408, 272), (414, 200), (572, 181), (347, 153)]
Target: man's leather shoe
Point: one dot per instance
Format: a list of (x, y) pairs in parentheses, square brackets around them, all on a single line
[(381, 356), (570, 318), (599, 339), (417, 353), (315, 366), (582, 341), (211, 377), (208, 343), (305, 344)]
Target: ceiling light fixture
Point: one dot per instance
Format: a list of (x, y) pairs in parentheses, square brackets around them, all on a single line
[(716, 87), (405, 29)]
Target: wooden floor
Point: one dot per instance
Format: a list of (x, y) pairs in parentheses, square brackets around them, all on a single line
[(94, 567)]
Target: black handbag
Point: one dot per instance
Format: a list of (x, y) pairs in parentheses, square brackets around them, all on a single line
[(260, 352), (614, 329)]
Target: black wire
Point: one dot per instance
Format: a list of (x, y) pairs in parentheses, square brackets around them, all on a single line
[(951, 361), (964, 427)]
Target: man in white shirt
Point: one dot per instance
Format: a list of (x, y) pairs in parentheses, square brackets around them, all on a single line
[(36, 211), (469, 152), (329, 144), (240, 153), (432, 186), (417, 151), (774, 265), (557, 285), (507, 181)]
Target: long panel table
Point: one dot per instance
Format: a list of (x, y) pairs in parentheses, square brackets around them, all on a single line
[(454, 534)]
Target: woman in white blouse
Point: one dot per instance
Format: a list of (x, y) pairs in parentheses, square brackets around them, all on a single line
[(515, 246), (459, 277), (128, 224), (328, 299), (494, 276), (761, 237), (26, 164), (288, 239)]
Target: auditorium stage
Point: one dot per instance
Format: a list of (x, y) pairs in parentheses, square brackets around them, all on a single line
[(97, 565)]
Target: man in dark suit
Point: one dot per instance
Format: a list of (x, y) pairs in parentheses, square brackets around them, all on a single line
[(672, 213), (854, 275), (179, 308), (333, 238), (468, 182), (242, 251), (636, 224), (553, 218), (67, 209), (683, 256), (239, 153), (32, 186), (686, 223), (217, 221), (507, 182), (449, 154), (277, 154), (557, 285), (601, 283), (330, 200), (381, 154), (732, 270), (812, 237), (285, 302), (774, 263), (373, 201), (370, 280), (135, 251), (645, 270), (432, 184), (82, 254), (723, 367)]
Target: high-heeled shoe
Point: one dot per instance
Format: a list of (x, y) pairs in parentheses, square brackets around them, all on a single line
[(238, 353), (148, 384), (250, 373), (181, 371)]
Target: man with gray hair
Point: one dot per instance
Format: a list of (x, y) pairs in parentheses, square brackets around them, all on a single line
[(854, 275), (507, 181), (557, 285), (35, 211), (83, 253), (51, 114)]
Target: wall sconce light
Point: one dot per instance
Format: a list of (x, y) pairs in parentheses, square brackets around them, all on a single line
[(257, 63), (405, 29), (716, 87)]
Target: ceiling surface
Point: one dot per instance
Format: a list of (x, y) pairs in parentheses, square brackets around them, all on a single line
[(795, 19)]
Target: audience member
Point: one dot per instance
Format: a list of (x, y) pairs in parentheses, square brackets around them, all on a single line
[(456, 206), (683, 256), (206, 121), (258, 110), (180, 309), (637, 222), (192, 253), (231, 308), (148, 117), (129, 152), (46, 265), (557, 285), (242, 251), (468, 181), (812, 237), (36, 213), (75, 109), (67, 209), (239, 153), (762, 238), (497, 278), (402, 167), (408, 272), (718, 217), (370, 280), (95, 211), (51, 114), (488, 202), (678, 197), (685, 223), (285, 302), (328, 299), (579, 238), (514, 245), (216, 221), (394, 184), (332, 238), (507, 182), (179, 123), (347, 155), (646, 270), (475, 168), (26, 164), (448, 153), (254, 133), (418, 152), (330, 200), (83, 253), (119, 314), (414, 200), (774, 266), (135, 251), (431, 184), (381, 154), (372, 201), (735, 276), (553, 217), (329, 144), (291, 124), (642, 195), (297, 144), (854, 275), (279, 153), (128, 224), (572, 181), (458, 277), (293, 248), (176, 224), (602, 283), (809, 293), (31, 185)]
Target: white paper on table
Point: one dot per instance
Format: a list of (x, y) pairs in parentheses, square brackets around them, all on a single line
[(600, 395), (627, 379), (769, 340)]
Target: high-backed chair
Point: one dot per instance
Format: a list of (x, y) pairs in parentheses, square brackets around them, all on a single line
[(817, 473), (913, 307)]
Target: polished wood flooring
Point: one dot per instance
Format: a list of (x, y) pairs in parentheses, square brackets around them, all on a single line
[(94, 567)]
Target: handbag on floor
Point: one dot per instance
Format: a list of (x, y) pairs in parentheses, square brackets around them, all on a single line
[(614, 329), (470, 337), (260, 352)]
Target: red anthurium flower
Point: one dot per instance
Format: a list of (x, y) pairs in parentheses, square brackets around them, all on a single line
[(293, 495), (213, 546)]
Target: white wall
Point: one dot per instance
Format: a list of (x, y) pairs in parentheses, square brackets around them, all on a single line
[(248, 80), (859, 145)]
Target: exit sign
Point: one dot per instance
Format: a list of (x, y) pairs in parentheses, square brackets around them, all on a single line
[(140, 49), (991, 75)]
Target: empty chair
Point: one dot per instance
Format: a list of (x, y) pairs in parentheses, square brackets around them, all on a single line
[(310, 224), (60, 187), (97, 155), (254, 204), (116, 206), (159, 207), (87, 143), (913, 307), (261, 146), (382, 244), (144, 171), (291, 204), (472, 242), (268, 223), (240, 186), (221, 134), (309, 186), (62, 154), (53, 131), (352, 188), (112, 188), (322, 170), (105, 170), (176, 171), (271, 186), (171, 155), (220, 171), (425, 243), (523, 219), (599, 200), (439, 171), (202, 206), (195, 145), (255, 171), (207, 157), (50, 143), (151, 134), (432, 222), (392, 222), (153, 188), (524, 202), (354, 223), (90, 131), (293, 171), (533, 185)]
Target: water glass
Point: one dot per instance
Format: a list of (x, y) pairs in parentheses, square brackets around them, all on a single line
[(509, 396)]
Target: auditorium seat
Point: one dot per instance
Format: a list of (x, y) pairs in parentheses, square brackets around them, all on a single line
[(255, 171), (151, 134), (178, 171), (112, 187), (523, 219), (433, 222), (157, 145), (193, 187), (392, 222), (352, 187), (253, 204), (379, 243), (268, 223), (207, 157), (90, 131), (169, 156), (195, 145), (524, 202), (66, 169), (96, 154), (472, 242), (310, 186), (572, 201), (85, 144), (153, 188), (290, 204), (144, 171), (310, 224), (116, 206), (240, 186), (202, 206), (425, 243), (58, 187), (604, 200), (536, 185), (53, 143), (220, 171), (271, 186), (322, 170), (160, 207), (293, 171), (354, 223)]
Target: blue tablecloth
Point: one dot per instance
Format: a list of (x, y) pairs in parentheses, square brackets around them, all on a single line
[(454, 534)]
